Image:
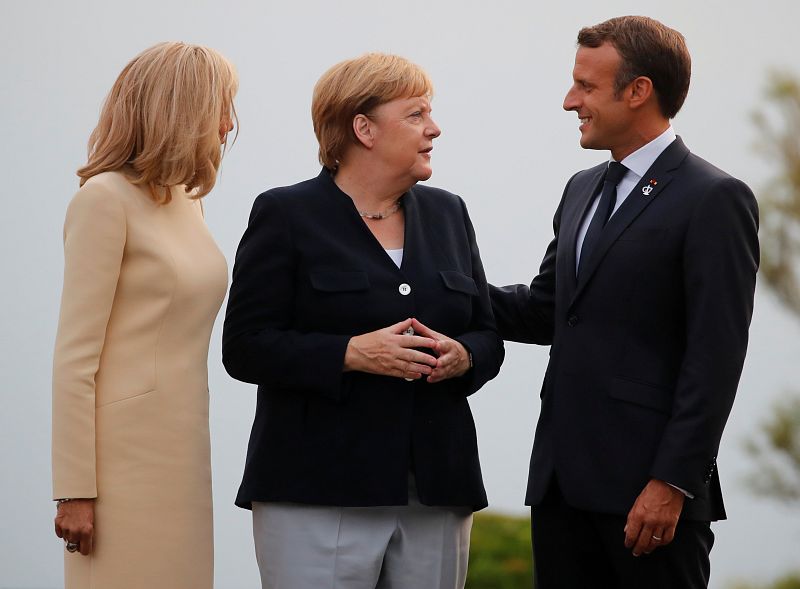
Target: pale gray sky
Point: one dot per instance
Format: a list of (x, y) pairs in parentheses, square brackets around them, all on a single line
[(500, 69)]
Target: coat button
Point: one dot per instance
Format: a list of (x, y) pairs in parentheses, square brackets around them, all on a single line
[(572, 321), (404, 289)]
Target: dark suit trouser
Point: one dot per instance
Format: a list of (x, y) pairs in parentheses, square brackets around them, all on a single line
[(575, 549)]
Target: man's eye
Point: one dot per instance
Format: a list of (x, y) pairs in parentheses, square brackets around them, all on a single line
[(416, 114)]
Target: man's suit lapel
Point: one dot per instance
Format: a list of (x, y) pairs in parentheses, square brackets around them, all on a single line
[(649, 187), (571, 222)]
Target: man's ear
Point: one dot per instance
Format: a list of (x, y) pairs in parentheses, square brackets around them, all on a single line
[(640, 91), (362, 127)]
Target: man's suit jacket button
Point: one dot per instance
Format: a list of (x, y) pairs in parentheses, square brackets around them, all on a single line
[(572, 321), (404, 289)]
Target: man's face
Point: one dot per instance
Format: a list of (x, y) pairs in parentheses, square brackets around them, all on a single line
[(605, 119)]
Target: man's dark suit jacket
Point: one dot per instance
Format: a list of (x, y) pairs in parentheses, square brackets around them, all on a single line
[(308, 276), (648, 343)]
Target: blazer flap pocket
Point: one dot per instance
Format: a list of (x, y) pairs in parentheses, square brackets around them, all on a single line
[(339, 281), (455, 280), (642, 393)]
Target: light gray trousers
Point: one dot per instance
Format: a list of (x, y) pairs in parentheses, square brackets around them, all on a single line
[(397, 547)]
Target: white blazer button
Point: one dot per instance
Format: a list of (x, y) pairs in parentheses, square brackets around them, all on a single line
[(404, 289)]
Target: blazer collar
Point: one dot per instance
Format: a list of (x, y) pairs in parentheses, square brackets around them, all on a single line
[(352, 217), (657, 177)]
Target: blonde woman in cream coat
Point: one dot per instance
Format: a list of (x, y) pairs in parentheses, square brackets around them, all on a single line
[(143, 282)]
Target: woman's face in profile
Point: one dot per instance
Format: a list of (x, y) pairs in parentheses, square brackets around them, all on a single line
[(403, 135)]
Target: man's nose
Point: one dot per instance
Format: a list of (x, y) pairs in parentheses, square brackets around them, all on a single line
[(570, 100)]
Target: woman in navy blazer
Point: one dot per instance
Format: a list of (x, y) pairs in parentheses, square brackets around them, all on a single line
[(343, 289)]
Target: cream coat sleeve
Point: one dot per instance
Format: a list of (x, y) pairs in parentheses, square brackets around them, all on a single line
[(94, 240)]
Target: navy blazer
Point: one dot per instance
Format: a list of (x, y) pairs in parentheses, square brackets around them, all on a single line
[(309, 275), (648, 343)]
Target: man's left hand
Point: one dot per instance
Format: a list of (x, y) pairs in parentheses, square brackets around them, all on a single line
[(653, 517)]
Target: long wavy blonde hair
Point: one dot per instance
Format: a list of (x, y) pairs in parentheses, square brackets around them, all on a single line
[(161, 122)]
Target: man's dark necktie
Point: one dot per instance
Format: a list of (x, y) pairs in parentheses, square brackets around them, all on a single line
[(608, 198)]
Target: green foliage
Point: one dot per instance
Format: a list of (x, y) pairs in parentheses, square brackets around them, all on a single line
[(791, 581), (776, 446), (500, 552), (776, 450), (779, 126)]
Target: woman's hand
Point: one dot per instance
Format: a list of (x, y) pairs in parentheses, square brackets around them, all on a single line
[(390, 352), (75, 523), (453, 358)]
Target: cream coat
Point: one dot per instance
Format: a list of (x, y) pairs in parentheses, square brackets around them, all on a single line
[(142, 286)]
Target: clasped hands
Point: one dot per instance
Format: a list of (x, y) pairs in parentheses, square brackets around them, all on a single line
[(408, 349)]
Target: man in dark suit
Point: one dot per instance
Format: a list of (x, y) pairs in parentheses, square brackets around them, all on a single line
[(646, 295)]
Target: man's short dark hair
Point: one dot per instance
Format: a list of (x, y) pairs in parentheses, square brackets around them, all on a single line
[(647, 48)]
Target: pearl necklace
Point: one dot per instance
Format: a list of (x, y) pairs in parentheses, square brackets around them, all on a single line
[(382, 214)]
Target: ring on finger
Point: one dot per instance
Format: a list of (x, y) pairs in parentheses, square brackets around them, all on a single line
[(656, 538), (71, 546)]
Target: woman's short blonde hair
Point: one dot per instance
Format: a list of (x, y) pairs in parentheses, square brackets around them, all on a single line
[(161, 120), (356, 86)]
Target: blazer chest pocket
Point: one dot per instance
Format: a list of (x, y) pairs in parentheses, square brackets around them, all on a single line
[(459, 282), (642, 394), (339, 281)]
